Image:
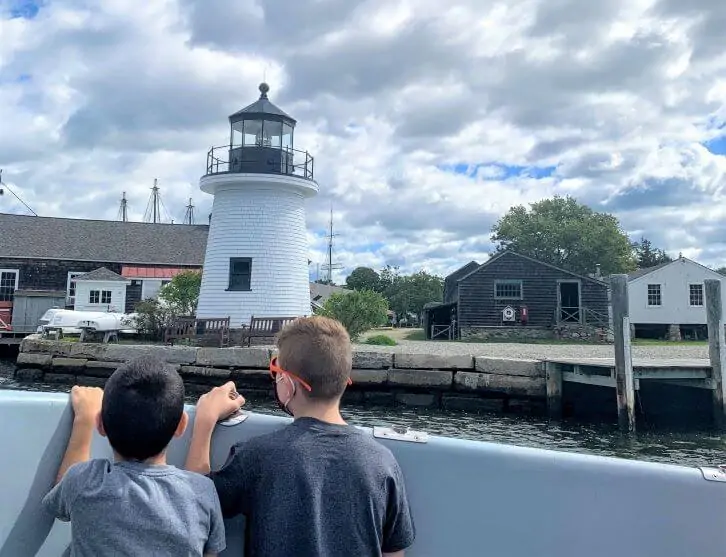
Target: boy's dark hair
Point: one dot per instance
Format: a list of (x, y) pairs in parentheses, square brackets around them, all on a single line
[(318, 349), (143, 402)]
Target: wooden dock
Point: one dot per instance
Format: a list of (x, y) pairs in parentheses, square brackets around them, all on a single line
[(625, 374)]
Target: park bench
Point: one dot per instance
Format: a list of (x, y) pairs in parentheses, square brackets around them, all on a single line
[(198, 330), (264, 327)]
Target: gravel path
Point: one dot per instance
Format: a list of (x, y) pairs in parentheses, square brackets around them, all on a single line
[(538, 351)]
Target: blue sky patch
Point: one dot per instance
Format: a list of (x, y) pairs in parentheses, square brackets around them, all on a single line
[(497, 171), (27, 9), (716, 146)]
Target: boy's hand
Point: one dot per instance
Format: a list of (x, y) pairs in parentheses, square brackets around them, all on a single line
[(219, 403), (86, 403)]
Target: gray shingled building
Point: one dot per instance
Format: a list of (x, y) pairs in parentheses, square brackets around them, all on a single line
[(46, 253)]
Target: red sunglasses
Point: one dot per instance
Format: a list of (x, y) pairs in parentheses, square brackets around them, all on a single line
[(275, 369)]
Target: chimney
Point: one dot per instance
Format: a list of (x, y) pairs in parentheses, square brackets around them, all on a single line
[(597, 271)]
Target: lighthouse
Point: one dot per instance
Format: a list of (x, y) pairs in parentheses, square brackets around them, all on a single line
[(256, 263)]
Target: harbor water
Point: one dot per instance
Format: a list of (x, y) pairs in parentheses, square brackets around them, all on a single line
[(668, 445)]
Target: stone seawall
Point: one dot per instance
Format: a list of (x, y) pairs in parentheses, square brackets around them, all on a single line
[(380, 378)]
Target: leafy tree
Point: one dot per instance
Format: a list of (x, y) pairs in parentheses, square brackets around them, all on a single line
[(388, 278), (565, 233), (410, 293), (358, 310), (721, 270), (182, 293), (152, 318), (648, 256), (363, 278)]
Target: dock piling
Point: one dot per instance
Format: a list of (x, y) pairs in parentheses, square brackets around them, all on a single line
[(624, 384), (716, 348), (554, 390)]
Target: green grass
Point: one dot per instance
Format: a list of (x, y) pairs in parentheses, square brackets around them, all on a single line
[(381, 340)]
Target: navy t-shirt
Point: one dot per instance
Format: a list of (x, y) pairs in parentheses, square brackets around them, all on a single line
[(314, 489)]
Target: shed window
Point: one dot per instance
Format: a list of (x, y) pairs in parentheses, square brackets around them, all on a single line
[(94, 297), (654, 297), (508, 289), (105, 296), (695, 294), (8, 284), (240, 273)]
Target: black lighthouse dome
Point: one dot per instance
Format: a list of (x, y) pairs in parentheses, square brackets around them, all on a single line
[(261, 141)]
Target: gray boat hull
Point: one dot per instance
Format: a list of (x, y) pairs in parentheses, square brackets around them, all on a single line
[(469, 498)]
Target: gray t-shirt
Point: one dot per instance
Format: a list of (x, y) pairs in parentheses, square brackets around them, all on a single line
[(314, 489), (133, 509)]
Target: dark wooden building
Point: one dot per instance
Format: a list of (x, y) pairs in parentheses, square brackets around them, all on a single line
[(515, 295), (45, 253)]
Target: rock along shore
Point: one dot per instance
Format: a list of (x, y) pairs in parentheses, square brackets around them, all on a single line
[(457, 382)]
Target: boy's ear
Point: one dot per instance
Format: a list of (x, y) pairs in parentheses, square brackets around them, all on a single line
[(99, 425), (183, 422)]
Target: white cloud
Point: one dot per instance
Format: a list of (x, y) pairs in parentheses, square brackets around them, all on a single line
[(97, 98)]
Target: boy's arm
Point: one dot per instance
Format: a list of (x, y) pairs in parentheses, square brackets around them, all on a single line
[(213, 406), (399, 531), (86, 403)]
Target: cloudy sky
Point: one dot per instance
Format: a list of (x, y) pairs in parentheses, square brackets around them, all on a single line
[(426, 123)]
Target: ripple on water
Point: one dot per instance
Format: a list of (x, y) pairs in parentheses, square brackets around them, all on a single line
[(690, 448)]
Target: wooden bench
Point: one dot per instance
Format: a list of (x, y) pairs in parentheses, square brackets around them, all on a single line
[(192, 329), (264, 327)]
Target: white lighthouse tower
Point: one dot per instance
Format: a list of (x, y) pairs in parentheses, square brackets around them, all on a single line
[(257, 254)]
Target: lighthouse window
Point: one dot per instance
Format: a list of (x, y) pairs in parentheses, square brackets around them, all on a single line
[(286, 136), (240, 273), (273, 134), (253, 133)]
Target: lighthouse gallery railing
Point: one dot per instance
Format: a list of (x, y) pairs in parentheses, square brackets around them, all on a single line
[(258, 159)]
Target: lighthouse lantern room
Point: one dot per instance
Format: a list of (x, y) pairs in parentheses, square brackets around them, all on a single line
[(256, 262)]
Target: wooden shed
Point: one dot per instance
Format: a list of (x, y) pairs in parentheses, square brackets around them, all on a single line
[(512, 295)]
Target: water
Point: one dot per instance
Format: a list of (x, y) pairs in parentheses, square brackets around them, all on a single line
[(688, 448)]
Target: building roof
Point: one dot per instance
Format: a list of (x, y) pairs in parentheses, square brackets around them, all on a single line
[(643, 272), (261, 107), (27, 237), (101, 275), (647, 270), (515, 254), (321, 292)]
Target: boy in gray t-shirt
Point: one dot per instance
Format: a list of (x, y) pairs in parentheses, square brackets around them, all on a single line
[(318, 487), (137, 504)]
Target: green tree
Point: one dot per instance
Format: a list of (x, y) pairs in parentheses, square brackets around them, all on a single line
[(565, 233), (388, 277), (358, 310), (363, 278), (648, 256), (182, 293), (410, 293)]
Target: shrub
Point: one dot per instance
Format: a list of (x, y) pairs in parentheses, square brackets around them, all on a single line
[(152, 318), (381, 340), (182, 293), (357, 310)]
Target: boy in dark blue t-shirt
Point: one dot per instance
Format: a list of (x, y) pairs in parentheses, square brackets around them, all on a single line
[(318, 487)]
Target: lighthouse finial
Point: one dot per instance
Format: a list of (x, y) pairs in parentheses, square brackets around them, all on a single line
[(264, 88)]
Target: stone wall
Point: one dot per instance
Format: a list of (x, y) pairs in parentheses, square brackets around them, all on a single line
[(451, 382), (567, 331), (505, 333)]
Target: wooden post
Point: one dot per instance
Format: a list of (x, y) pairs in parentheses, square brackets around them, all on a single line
[(554, 390), (623, 359), (716, 348)]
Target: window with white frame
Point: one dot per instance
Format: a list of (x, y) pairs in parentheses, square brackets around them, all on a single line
[(695, 294), (105, 296), (508, 289), (8, 284), (71, 286), (94, 297), (654, 295)]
